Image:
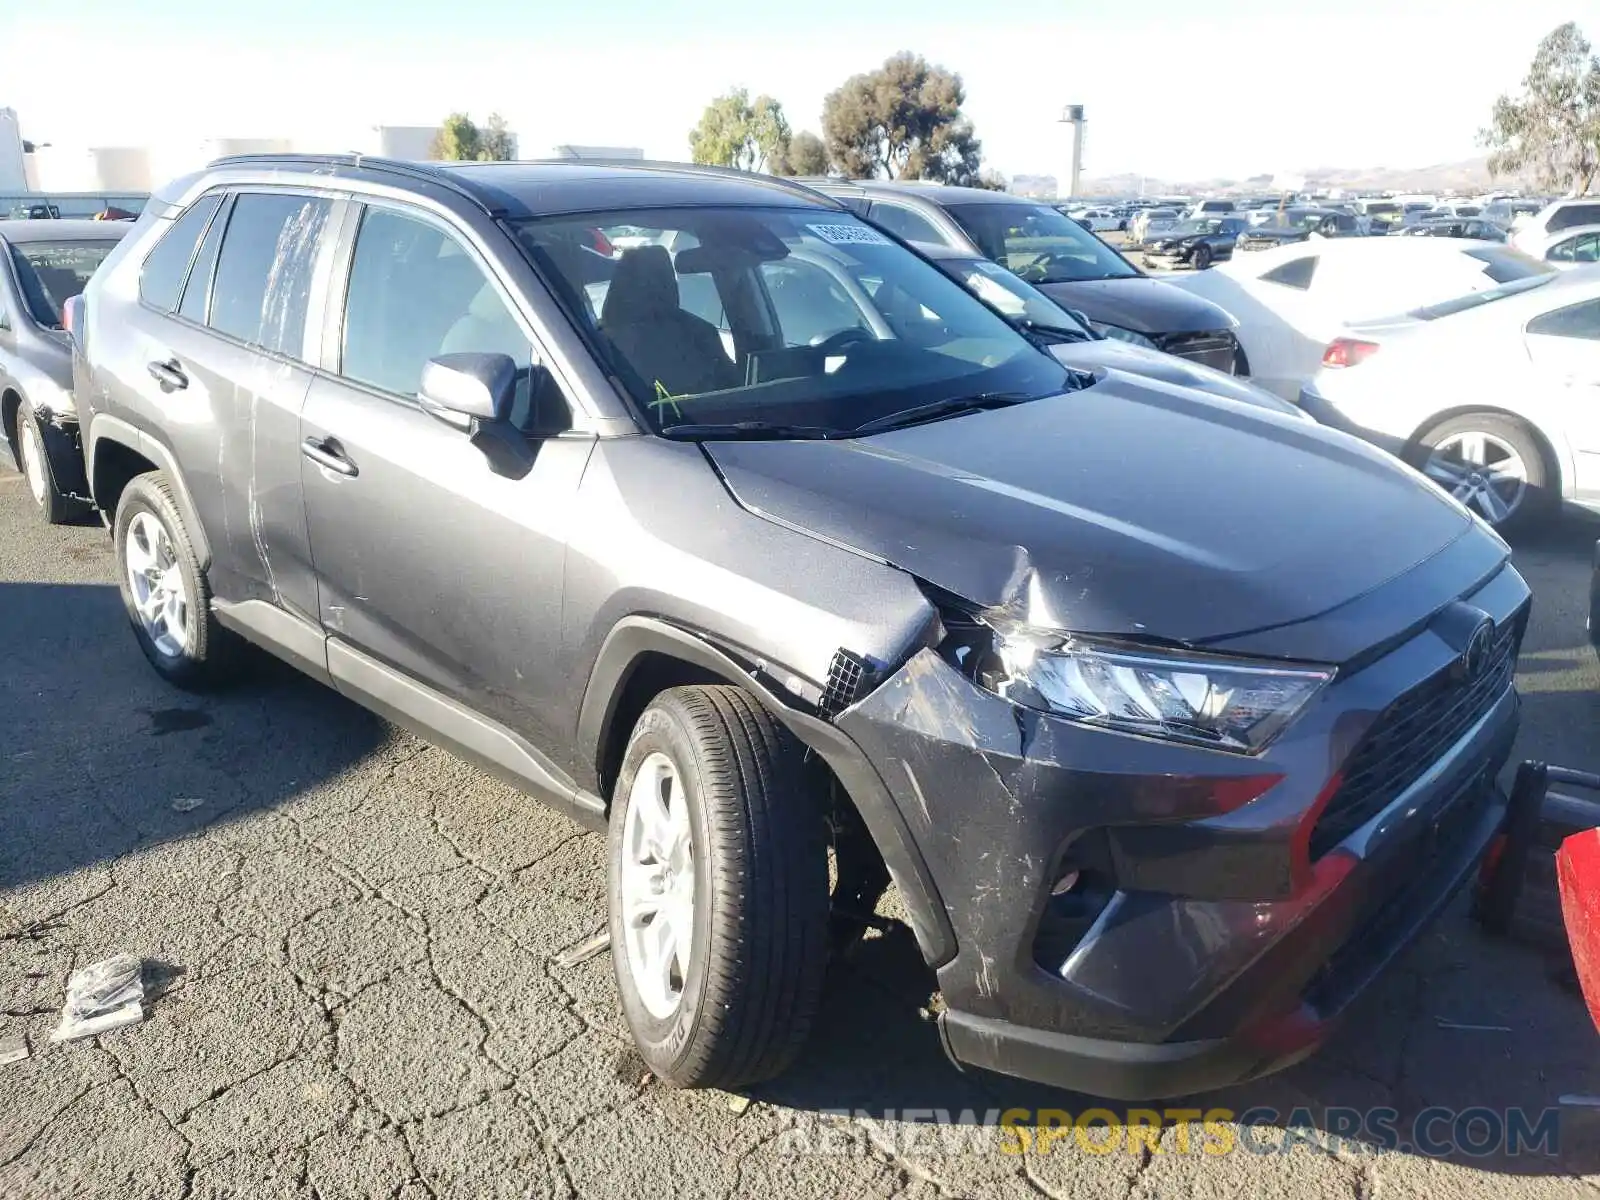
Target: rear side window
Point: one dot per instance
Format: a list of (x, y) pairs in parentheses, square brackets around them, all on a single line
[(198, 290), (1574, 321), (1296, 273), (907, 224), (1574, 214), (161, 278), (263, 275)]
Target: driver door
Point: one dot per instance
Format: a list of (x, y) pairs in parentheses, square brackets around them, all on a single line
[(426, 560)]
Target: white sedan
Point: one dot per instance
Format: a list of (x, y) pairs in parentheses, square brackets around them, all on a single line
[(1293, 300), (1096, 220), (1494, 395)]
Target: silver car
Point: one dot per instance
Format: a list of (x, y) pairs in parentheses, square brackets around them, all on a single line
[(43, 264)]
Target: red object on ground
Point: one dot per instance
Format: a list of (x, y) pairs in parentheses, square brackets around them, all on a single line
[(1578, 874)]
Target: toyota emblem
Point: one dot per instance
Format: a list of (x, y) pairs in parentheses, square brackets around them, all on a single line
[(1475, 658)]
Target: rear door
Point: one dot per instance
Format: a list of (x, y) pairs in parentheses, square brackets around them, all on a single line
[(427, 560), (225, 377), (1564, 345)]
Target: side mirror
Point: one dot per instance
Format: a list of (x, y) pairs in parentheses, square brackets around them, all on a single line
[(473, 394)]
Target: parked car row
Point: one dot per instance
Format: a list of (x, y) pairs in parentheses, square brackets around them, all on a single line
[(706, 509)]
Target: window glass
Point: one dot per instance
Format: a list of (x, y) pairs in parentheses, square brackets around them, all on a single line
[(830, 324), (1503, 264), (161, 278), (415, 293), (1039, 243), (1574, 321), (198, 290), (263, 275), (1569, 215), (906, 224), (1296, 273), (812, 305), (51, 273), (1588, 249)]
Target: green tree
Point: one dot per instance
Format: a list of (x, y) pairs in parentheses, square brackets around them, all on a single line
[(1551, 130), (735, 131), (807, 154), (458, 140), (903, 121), (461, 140)]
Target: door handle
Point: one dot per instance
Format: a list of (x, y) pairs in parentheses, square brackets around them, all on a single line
[(169, 375), (326, 452)]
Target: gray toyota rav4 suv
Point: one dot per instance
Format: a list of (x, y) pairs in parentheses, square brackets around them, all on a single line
[(1172, 719)]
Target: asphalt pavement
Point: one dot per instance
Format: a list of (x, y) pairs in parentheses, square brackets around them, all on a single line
[(349, 941)]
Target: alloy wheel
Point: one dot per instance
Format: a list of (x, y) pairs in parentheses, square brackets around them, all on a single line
[(159, 595), (32, 450), (1483, 471), (657, 886)]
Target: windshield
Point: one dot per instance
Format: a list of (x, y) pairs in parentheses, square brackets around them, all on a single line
[(1038, 243), (1200, 226), (1011, 297), (1433, 312), (1382, 210), (51, 273), (807, 321)]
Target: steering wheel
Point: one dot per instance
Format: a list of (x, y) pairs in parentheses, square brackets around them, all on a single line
[(1039, 267), (838, 341)]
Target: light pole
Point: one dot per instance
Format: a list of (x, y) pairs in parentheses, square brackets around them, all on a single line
[(1072, 115)]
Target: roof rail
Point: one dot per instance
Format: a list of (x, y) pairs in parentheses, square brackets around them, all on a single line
[(788, 183), (428, 172)]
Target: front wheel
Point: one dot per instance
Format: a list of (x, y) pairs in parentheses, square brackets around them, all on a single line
[(1202, 257), (54, 505), (718, 879), (1494, 465)]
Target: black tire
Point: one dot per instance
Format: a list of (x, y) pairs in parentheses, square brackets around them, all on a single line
[(33, 460), (1202, 257), (751, 988), (1540, 501), (209, 656)]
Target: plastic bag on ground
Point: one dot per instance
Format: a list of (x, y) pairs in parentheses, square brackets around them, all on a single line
[(102, 996)]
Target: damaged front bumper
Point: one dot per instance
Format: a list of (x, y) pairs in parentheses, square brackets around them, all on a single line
[(1136, 918)]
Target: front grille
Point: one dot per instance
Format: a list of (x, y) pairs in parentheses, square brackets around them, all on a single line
[(1409, 737), (1215, 349)]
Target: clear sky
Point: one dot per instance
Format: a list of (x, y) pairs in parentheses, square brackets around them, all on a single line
[(1176, 88)]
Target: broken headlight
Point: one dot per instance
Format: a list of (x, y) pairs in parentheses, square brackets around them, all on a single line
[(1223, 703)]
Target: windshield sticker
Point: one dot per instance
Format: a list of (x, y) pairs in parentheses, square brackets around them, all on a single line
[(846, 235)]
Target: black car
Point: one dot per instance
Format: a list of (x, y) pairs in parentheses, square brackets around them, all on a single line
[(1196, 243), (605, 477), (1055, 254), (1297, 225)]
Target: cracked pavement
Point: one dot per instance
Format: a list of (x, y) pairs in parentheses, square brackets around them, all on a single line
[(349, 939)]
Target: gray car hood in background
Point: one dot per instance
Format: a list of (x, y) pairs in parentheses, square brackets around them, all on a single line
[(1129, 507), (1141, 304), (1109, 353)]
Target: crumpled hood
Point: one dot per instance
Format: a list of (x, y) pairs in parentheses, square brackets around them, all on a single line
[(1140, 303), (1131, 507)]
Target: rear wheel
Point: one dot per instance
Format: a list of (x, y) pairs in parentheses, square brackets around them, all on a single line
[(164, 589), (719, 890), (1493, 464)]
